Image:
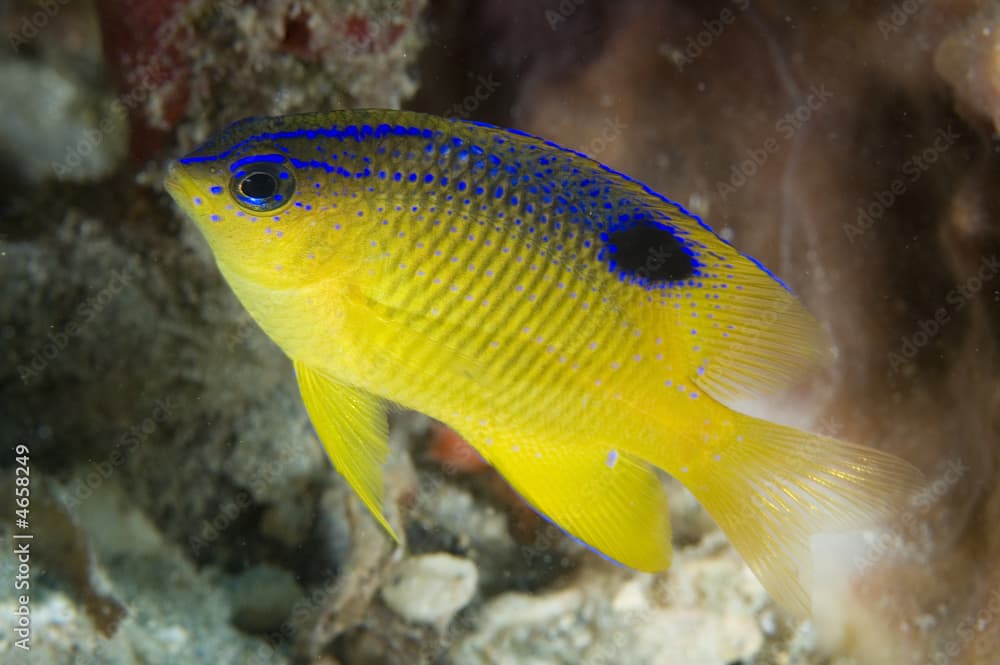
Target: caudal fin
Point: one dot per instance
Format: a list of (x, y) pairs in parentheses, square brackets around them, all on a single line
[(774, 487)]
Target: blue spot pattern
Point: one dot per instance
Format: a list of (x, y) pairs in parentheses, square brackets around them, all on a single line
[(545, 192)]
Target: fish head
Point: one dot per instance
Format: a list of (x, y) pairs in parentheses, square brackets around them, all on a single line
[(269, 204)]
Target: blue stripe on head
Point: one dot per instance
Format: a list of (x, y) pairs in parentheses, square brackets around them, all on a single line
[(355, 132), (253, 159)]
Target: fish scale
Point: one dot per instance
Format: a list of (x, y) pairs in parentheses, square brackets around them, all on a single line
[(579, 329), (456, 253)]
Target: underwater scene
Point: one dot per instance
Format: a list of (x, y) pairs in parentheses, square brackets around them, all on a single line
[(500, 332)]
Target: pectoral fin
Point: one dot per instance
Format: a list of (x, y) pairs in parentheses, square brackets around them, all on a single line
[(351, 424)]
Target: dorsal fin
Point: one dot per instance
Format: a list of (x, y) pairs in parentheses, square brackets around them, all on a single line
[(735, 326)]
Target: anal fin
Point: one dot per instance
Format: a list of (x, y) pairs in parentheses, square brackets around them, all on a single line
[(352, 426), (608, 499)]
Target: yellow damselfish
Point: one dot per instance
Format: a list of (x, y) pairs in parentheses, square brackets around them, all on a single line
[(577, 328)]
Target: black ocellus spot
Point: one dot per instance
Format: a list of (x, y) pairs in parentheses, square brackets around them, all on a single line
[(651, 252)]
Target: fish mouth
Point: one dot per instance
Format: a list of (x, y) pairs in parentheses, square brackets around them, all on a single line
[(181, 188), (173, 182)]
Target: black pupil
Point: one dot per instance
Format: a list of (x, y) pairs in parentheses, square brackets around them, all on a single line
[(259, 186)]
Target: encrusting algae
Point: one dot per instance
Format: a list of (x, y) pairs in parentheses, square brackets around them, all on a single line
[(577, 328)]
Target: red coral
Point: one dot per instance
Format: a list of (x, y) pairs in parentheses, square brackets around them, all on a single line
[(451, 451), (144, 49), (357, 29), (298, 36)]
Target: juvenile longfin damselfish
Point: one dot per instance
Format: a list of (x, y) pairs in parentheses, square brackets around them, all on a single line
[(577, 328)]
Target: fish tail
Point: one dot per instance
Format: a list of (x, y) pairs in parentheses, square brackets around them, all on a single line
[(771, 488)]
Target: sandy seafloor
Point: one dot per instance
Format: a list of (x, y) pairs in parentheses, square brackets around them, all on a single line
[(182, 510)]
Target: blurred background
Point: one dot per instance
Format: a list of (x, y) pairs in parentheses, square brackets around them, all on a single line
[(181, 508)]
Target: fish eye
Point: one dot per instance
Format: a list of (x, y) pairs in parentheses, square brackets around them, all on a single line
[(262, 186)]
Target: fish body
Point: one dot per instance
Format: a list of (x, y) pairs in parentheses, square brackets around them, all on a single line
[(577, 328)]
